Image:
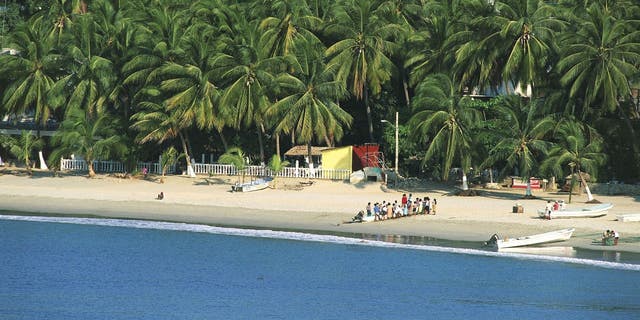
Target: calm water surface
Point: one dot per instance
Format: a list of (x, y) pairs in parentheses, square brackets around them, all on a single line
[(66, 268)]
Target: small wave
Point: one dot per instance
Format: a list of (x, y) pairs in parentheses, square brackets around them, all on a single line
[(300, 236)]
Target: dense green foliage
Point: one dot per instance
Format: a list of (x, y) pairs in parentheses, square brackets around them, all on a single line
[(477, 83)]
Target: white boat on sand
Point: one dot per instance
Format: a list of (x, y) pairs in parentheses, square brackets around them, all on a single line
[(254, 185), (559, 235), (629, 217), (589, 212)]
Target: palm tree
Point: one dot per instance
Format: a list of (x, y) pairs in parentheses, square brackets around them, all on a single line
[(246, 73), (291, 24), (523, 138), (277, 165), (33, 72), (155, 124), (599, 59), (442, 118), (168, 158), (527, 34), (23, 146), (91, 136), (579, 147), (307, 106), (237, 158), (360, 57), (598, 62), (91, 77)]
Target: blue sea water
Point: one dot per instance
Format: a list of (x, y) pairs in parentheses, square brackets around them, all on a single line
[(82, 268)]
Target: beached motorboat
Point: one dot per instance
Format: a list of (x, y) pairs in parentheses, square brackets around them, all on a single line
[(590, 212), (560, 235), (630, 217), (254, 185)]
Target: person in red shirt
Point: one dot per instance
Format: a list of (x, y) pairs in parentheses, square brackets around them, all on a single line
[(404, 199)]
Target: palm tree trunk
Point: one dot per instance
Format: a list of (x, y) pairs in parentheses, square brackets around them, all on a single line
[(224, 141), (369, 118), (260, 130), (465, 183), (278, 145), (92, 173), (190, 171), (586, 187)]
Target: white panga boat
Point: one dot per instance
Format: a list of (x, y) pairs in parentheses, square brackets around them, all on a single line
[(254, 185), (628, 217), (559, 235), (589, 212)]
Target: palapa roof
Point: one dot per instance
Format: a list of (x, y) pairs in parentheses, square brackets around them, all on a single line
[(302, 151)]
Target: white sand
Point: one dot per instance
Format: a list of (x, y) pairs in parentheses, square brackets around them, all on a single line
[(323, 206)]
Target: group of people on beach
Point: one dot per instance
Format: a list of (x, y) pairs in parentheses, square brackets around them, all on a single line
[(390, 210), (610, 238)]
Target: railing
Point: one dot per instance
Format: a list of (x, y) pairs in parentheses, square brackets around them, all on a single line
[(210, 169), (111, 166)]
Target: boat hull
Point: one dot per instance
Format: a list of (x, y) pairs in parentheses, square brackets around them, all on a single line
[(553, 236), (628, 217), (591, 212), (255, 185)]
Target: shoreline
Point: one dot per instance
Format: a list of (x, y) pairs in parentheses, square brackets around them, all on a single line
[(324, 206)]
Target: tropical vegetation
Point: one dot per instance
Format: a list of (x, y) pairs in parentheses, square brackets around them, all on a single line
[(525, 86)]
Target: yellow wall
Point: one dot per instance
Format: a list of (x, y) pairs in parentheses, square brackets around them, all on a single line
[(337, 158)]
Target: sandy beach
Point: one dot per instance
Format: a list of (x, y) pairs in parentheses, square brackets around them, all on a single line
[(320, 207)]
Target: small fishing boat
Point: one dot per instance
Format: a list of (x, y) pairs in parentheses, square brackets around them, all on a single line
[(590, 212), (254, 185), (630, 217), (559, 235)]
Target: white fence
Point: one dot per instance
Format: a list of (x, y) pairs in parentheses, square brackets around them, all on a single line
[(111, 166), (209, 169)]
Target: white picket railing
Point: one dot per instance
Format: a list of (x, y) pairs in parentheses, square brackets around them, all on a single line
[(210, 169)]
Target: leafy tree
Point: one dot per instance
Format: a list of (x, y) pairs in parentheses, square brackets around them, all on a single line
[(237, 158), (91, 136), (579, 147), (360, 56), (168, 158), (33, 72), (307, 106), (23, 146), (441, 118), (277, 165), (523, 136)]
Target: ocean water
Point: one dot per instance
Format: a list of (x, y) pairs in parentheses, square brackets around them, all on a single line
[(82, 268)]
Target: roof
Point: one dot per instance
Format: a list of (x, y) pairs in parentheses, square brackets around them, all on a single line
[(302, 151)]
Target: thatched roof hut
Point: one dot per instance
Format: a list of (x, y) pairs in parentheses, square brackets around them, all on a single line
[(302, 151)]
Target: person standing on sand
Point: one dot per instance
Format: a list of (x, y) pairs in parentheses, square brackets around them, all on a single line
[(433, 206), (548, 209), (404, 199), (369, 209)]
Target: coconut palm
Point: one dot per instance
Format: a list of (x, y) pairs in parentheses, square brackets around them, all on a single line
[(527, 34), (23, 146), (308, 105), (290, 24), (523, 136), (579, 147), (599, 60), (277, 165), (442, 118), (91, 136), (246, 72), (168, 158), (237, 158), (360, 57), (91, 77), (33, 72), (155, 124)]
